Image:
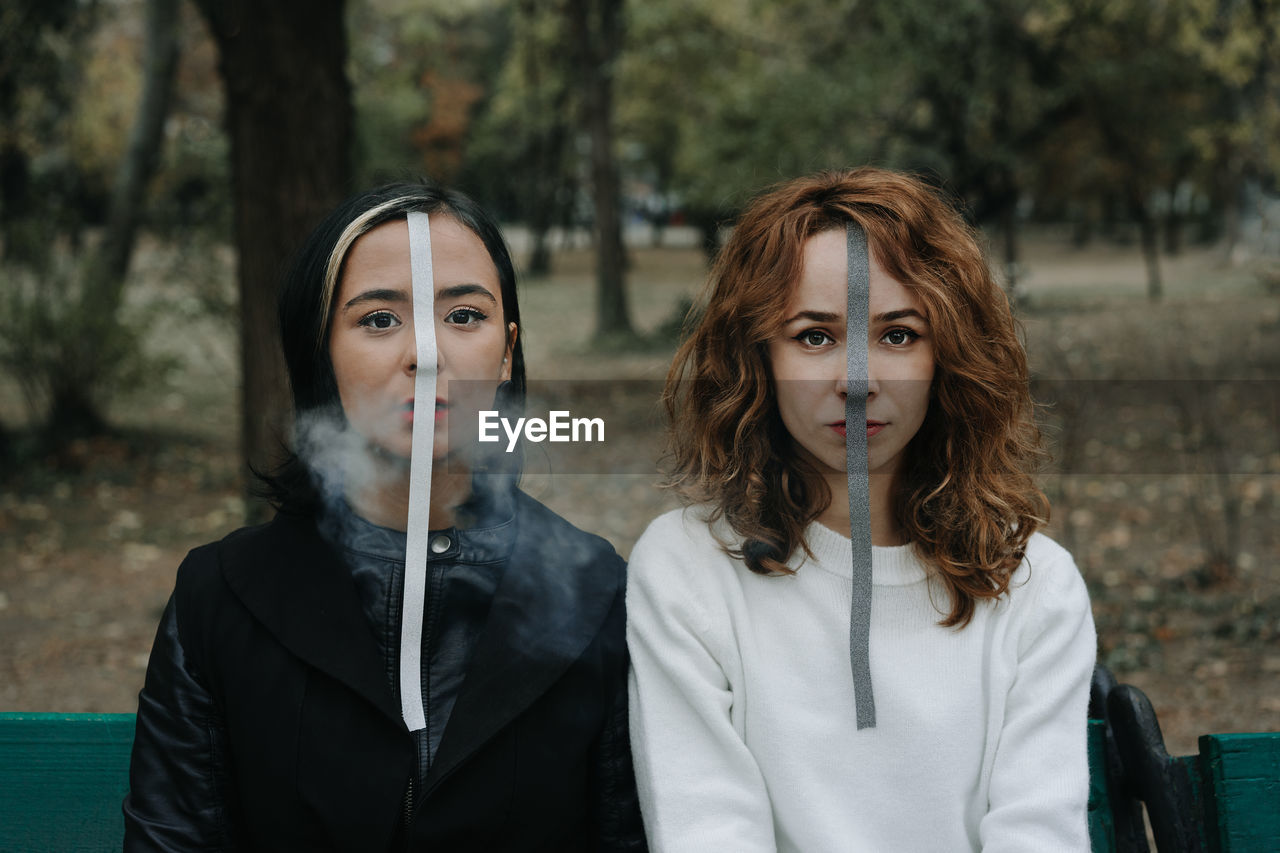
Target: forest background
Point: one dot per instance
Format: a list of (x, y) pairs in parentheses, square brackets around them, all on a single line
[(160, 160)]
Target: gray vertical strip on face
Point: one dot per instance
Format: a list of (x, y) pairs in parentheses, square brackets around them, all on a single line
[(855, 444), (424, 410)]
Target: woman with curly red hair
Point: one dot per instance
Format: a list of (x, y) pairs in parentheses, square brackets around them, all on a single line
[(953, 717)]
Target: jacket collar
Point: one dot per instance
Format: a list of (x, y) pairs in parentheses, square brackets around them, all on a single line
[(556, 592), (555, 595), (297, 586), (487, 539)]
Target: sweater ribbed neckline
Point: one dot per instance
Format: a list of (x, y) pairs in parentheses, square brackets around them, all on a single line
[(895, 565)]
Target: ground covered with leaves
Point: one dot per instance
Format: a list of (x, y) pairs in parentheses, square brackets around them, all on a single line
[(1165, 480)]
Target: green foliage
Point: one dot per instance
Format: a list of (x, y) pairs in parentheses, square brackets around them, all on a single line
[(520, 157), (419, 78), (69, 359), (40, 76), (1060, 101), (70, 79), (1049, 107), (726, 97), (192, 186)]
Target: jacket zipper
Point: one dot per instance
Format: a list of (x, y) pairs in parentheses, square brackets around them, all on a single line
[(421, 740), (408, 804)]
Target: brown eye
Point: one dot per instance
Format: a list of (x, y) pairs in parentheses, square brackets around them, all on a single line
[(814, 338), (899, 337), (464, 317), (380, 320)]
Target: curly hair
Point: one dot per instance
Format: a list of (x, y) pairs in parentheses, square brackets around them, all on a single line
[(965, 497)]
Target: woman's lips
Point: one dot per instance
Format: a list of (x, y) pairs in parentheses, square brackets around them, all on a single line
[(873, 427), (406, 410)]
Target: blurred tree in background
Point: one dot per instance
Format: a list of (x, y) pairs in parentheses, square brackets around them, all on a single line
[(41, 46), (596, 37), (64, 338), (523, 149), (727, 97), (1120, 117), (421, 77), (289, 120)]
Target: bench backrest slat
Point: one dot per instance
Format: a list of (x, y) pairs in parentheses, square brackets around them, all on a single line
[(1241, 775), (1102, 830), (62, 780)]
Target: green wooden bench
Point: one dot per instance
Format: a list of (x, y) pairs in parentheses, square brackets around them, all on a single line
[(62, 780), (1226, 799), (64, 776)]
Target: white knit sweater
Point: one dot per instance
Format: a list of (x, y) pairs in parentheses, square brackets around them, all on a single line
[(742, 706)]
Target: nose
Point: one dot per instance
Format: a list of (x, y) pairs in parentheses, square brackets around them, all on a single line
[(873, 372), (409, 353), (868, 382), (842, 386)]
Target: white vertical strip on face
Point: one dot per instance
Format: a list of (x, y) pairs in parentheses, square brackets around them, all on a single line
[(424, 422), (855, 445)]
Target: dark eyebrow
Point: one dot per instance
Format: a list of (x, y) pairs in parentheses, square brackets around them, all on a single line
[(457, 290), (902, 313), (380, 294), (389, 295), (815, 316)]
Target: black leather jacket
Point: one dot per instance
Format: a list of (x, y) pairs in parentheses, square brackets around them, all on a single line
[(462, 576), (269, 720)]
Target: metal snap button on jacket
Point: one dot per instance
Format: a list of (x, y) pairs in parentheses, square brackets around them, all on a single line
[(440, 544)]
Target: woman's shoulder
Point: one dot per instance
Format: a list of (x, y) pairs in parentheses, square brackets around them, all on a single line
[(692, 530), (258, 563), (684, 547), (1045, 556), (209, 592), (286, 530), (1048, 575)]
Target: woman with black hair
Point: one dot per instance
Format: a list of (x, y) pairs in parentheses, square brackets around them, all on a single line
[(412, 654)]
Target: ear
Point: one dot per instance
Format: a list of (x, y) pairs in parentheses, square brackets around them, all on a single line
[(507, 356)]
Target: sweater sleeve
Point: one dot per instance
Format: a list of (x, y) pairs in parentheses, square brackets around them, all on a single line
[(700, 788), (1040, 777)]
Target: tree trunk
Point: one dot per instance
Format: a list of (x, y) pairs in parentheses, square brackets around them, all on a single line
[(289, 117), (142, 155), (597, 28), (544, 193), (548, 75), (73, 414), (1150, 252), (1232, 213), (540, 250), (1174, 218), (1173, 225), (1082, 224), (15, 203), (708, 225), (76, 393), (1009, 225)]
